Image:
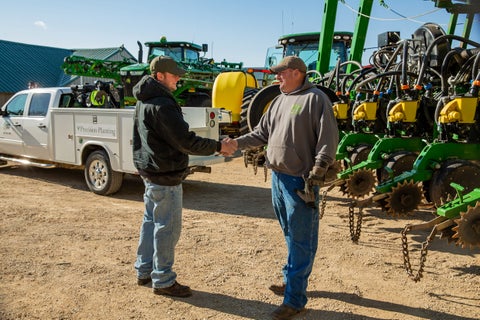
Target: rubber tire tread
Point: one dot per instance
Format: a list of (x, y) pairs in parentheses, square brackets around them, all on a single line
[(115, 180)]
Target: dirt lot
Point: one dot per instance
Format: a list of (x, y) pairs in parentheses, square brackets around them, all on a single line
[(68, 254)]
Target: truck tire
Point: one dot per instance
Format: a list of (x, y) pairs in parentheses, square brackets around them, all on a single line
[(99, 176)]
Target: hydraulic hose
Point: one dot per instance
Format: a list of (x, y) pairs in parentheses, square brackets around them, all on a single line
[(432, 45)]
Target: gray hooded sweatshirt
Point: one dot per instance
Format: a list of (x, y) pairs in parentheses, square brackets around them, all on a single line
[(300, 130)]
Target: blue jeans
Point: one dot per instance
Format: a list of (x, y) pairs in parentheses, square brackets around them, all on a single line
[(159, 234), (300, 228)]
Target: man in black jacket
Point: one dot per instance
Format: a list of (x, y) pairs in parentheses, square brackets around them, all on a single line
[(161, 144)]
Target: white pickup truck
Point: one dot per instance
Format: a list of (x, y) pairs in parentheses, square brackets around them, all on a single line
[(45, 128)]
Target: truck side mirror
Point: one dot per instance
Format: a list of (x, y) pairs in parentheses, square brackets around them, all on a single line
[(204, 47)]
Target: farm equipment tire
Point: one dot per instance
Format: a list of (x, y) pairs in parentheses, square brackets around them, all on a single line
[(359, 154), (247, 98), (260, 103), (396, 164), (459, 171), (99, 176), (468, 227)]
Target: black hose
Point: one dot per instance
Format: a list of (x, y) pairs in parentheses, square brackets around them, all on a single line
[(432, 45), (444, 69), (404, 65), (381, 75)]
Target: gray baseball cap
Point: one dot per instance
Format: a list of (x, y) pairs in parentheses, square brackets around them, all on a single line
[(290, 62), (165, 64)]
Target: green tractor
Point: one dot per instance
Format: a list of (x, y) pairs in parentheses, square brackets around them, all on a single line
[(194, 88)]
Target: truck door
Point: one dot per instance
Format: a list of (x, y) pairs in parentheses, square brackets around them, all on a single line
[(35, 126), (11, 125)]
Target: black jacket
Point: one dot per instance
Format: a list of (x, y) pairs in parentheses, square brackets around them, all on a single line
[(161, 137)]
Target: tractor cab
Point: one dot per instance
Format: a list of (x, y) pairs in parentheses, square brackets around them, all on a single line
[(305, 46), (185, 53), (180, 51)]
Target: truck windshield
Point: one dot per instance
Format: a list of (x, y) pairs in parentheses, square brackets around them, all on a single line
[(16, 106)]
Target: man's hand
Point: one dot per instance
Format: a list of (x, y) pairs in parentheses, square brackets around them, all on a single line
[(229, 146), (316, 177)]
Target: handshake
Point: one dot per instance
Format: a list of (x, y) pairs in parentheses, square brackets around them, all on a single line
[(229, 146)]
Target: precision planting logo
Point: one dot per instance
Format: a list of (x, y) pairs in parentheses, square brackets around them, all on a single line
[(104, 131)]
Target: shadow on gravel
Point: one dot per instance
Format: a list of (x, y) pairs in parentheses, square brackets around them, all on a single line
[(228, 199), (197, 195), (355, 299), (252, 309)]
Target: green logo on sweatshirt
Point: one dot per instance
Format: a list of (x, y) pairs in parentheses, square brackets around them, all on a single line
[(296, 108)]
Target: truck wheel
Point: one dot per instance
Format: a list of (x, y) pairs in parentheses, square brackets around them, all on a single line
[(99, 176)]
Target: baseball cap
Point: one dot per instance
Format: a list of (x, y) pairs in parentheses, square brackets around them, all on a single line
[(165, 64), (290, 62)]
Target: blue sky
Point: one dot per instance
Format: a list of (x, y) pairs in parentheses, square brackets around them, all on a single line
[(234, 30)]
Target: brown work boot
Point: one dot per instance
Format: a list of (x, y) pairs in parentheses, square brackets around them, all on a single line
[(143, 281), (285, 312), (279, 290), (175, 290)]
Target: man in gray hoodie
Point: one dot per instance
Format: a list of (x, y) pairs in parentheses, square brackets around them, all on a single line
[(302, 136)]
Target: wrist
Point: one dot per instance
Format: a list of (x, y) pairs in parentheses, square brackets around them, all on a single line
[(322, 164)]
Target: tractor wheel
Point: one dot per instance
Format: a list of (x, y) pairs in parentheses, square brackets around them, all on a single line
[(247, 98), (260, 103), (99, 176), (462, 172), (396, 164)]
